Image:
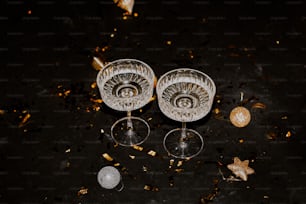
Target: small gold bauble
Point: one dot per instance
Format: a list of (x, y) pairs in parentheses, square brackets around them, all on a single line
[(240, 116)]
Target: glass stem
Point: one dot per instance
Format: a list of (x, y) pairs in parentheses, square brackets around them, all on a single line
[(129, 123), (183, 136)]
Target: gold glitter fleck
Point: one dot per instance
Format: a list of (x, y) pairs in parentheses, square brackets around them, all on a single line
[(96, 100), (82, 191), (179, 163), (139, 148), (169, 42), (93, 85), (117, 164), (288, 134), (107, 157), (150, 188), (259, 105), (153, 98), (68, 150), (144, 168), (284, 117), (217, 111), (179, 170), (171, 162), (24, 120), (132, 156), (66, 93), (271, 135), (152, 153)]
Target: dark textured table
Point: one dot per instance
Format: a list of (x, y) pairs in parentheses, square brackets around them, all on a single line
[(51, 145)]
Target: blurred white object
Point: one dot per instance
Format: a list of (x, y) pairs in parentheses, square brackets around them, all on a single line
[(125, 5), (109, 177)]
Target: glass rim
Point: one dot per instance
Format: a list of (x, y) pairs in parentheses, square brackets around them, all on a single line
[(123, 60), (184, 69)]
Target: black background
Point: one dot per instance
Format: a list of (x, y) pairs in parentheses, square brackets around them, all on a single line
[(254, 47)]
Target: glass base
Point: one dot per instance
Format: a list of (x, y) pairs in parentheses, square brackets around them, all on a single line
[(183, 147), (130, 131)]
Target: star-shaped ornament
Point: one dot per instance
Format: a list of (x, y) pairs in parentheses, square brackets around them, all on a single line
[(240, 168)]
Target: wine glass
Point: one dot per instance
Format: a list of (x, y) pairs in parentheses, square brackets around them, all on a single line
[(110, 178), (127, 85), (185, 95)]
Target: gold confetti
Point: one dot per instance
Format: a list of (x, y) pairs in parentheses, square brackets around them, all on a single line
[(259, 105), (24, 120), (96, 100), (68, 150), (132, 156), (152, 153), (66, 93), (179, 163), (171, 163), (288, 134), (107, 157), (93, 85), (217, 111), (147, 188), (178, 170), (150, 188), (82, 191), (126, 5), (144, 168), (271, 135), (97, 63), (139, 148), (117, 164), (284, 117), (168, 42), (241, 141), (240, 168), (240, 116), (153, 98)]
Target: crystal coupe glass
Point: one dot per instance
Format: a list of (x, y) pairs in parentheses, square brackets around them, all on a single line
[(127, 85), (184, 95)]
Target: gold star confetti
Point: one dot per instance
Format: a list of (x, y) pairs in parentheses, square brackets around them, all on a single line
[(240, 168), (240, 116)]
